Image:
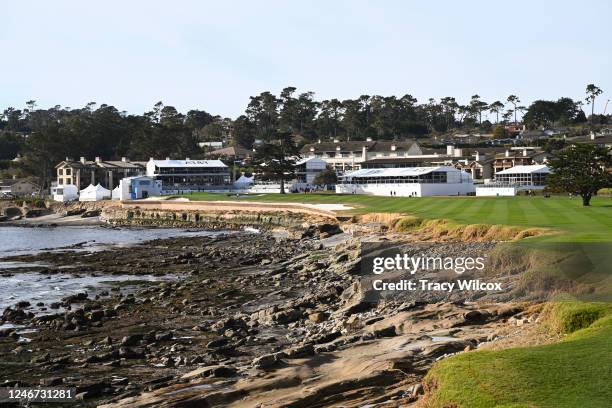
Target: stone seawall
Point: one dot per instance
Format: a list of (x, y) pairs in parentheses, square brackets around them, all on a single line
[(215, 215)]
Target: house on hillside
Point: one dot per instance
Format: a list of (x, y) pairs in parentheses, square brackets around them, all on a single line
[(18, 187), (520, 156), (232, 153), (348, 156), (107, 173)]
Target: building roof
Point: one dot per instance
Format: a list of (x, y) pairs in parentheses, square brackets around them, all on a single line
[(188, 163), (309, 159), (231, 151), (372, 146), (120, 164), (514, 154), (400, 171), (599, 140), (530, 169), (395, 160), (107, 164), (11, 182)]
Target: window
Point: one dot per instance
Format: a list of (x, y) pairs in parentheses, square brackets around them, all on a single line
[(68, 172), (60, 172), (60, 181)]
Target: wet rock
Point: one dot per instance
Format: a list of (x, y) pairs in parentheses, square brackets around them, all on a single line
[(79, 297), (287, 316), (416, 389), (164, 336), (90, 213), (267, 361), (51, 382), (131, 340), (130, 353), (6, 332), (223, 372), (217, 343), (385, 332), (305, 350), (95, 315), (476, 316)]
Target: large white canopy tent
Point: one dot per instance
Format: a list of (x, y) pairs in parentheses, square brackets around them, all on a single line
[(94, 193)]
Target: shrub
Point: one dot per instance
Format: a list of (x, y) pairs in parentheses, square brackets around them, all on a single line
[(568, 316)]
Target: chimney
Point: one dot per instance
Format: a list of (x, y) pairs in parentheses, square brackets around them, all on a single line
[(151, 159), (14, 177), (507, 153), (592, 135), (364, 153), (450, 150), (465, 161), (458, 152), (393, 147), (477, 156), (97, 159), (336, 141), (186, 158), (525, 152), (124, 159), (67, 158), (319, 141), (82, 159), (167, 158), (368, 139)]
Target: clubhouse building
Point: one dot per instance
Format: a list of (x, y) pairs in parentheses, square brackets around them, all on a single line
[(188, 174)]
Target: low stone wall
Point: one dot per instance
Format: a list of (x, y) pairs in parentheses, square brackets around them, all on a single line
[(248, 206), (213, 215), (208, 220)]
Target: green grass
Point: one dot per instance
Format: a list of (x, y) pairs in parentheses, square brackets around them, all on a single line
[(575, 372), (580, 224)]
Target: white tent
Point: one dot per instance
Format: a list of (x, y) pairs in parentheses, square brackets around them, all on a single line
[(94, 193), (115, 194), (244, 180)]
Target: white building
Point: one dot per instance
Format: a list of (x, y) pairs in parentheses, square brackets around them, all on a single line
[(139, 187), (348, 156), (66, 192), (407, 182), (307, 169), (519, 178), (188, 174)]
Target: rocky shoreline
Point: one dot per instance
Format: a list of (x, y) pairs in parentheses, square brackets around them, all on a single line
[(252, 320)]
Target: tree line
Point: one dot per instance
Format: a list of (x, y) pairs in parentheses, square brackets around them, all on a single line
[(43, 137)]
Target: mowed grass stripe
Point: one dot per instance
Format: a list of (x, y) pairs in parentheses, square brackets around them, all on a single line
[(536, 214), (519, 216), (458, 207)]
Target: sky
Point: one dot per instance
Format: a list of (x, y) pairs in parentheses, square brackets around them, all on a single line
[(213, 55)]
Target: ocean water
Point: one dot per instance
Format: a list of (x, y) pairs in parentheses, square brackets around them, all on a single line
[(23, 285), (19, 241)]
